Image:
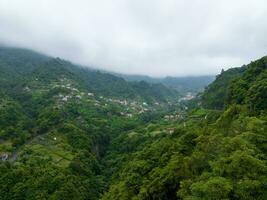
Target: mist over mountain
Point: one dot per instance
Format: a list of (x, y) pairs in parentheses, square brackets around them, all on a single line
[(69, 132), (133, 100), (29, 59), (156, 37), (182, 84)]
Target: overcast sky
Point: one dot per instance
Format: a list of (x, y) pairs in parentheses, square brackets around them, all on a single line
[(152, 37)]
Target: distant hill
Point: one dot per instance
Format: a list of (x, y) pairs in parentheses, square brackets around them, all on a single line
[(23, 64), (188, 84), (181, 84), (20, 61)]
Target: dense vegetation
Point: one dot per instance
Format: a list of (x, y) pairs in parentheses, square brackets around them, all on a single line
[(57, 120), (216, 93), (71, 133), (213, 154)]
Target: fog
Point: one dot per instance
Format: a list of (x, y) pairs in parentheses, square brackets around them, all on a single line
[(152, 37)]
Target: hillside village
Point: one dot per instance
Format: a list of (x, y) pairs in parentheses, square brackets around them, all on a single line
[(66, 91)]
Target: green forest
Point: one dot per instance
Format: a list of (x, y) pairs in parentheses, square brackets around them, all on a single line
[(73, 133)]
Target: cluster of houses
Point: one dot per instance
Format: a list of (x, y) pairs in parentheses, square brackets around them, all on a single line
[(4, 156), (187, 97), (169, 131), (129, 108), (27, 89), (126, 114), (74, 92), (172, 117)]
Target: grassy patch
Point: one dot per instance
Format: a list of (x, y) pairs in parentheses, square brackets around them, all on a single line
[(51, 146)]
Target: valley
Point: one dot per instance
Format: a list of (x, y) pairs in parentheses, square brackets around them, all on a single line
[(68, 132)]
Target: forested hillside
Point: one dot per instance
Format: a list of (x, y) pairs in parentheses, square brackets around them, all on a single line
[(17, 63), (236, 86), (57, 120), (210, 154), (67, 132), (216, 93)]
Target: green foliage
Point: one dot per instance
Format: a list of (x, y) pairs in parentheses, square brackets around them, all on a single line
[(250, 89), (63, 143), (215, 94)]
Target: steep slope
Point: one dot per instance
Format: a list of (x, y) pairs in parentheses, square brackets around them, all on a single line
[(215, 94), (237, 85), (250, 88)]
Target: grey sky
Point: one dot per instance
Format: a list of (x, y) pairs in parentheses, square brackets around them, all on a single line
[(152, 37)]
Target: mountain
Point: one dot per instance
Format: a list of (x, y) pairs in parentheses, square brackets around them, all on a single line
[(188, 84), (20, 63), (137, 78), (68, 132), (183, 85)]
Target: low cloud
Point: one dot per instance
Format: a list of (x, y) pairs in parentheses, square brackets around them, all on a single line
[(152, 37)]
